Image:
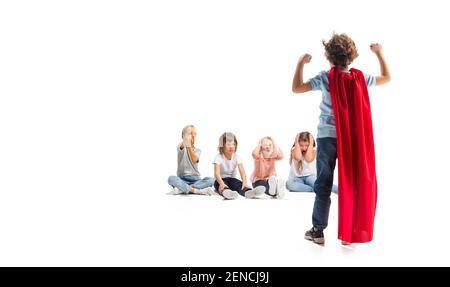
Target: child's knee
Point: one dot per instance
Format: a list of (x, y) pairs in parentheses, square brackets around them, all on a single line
[(210, 180), (289, 184), (172, 179)]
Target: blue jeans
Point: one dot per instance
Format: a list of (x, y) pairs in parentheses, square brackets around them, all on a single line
[(304, 184), (326, 162), (184, 183)]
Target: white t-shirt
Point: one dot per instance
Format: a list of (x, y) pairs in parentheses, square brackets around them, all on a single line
[(309, 168), (227, 167)]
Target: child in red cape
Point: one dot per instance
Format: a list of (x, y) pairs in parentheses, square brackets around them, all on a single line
[(344, 132)]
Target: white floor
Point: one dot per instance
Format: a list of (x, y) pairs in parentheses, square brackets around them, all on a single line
[(159, 229), (91, 112), (199, 231)]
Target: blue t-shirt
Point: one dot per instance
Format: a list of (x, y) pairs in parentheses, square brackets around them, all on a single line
[(326, 126)]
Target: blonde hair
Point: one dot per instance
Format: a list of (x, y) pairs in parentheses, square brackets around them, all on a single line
[(261, 141), (185, 129)]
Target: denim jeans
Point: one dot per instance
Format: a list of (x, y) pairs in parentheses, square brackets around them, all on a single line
[(326, 162), (184, 183), (304, 184)]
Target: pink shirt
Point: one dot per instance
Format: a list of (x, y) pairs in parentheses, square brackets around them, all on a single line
[(264, 168)]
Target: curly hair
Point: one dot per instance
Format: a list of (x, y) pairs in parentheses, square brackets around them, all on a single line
[(340, 50)]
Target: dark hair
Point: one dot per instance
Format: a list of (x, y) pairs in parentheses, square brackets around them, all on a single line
[(223, 141), (340, 50), (303, 136)]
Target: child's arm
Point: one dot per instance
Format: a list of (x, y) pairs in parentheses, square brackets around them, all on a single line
[(297, 151), (256, 152), (298, 86), (310, 154), (277, 151), (192, 154), (243, 176), (188, 143), (219, 180), (385, 76)]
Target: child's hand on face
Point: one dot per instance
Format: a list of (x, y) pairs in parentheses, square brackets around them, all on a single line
[(376, 48), (187, 140)]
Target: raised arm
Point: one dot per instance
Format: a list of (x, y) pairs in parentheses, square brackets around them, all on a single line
[(278, 153), (296, 150), (310, 154), (385, 76), (193, 155), (256, 152), (188, 143), (298, 86)]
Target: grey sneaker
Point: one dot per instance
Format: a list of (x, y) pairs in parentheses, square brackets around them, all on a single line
[(253, 193), (272, 185), (280, 189), (315, 236), (230, 194), (206, 191)]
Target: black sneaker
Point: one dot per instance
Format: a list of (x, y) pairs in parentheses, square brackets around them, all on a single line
[(315, 236)]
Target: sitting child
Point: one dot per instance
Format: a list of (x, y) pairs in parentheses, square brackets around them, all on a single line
[(303, 172), (265, 155), (188, 178), (225, 165)]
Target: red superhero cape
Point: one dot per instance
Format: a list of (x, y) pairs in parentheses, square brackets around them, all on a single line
[(356, 155)]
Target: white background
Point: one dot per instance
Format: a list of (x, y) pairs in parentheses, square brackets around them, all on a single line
[(94, 94)]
